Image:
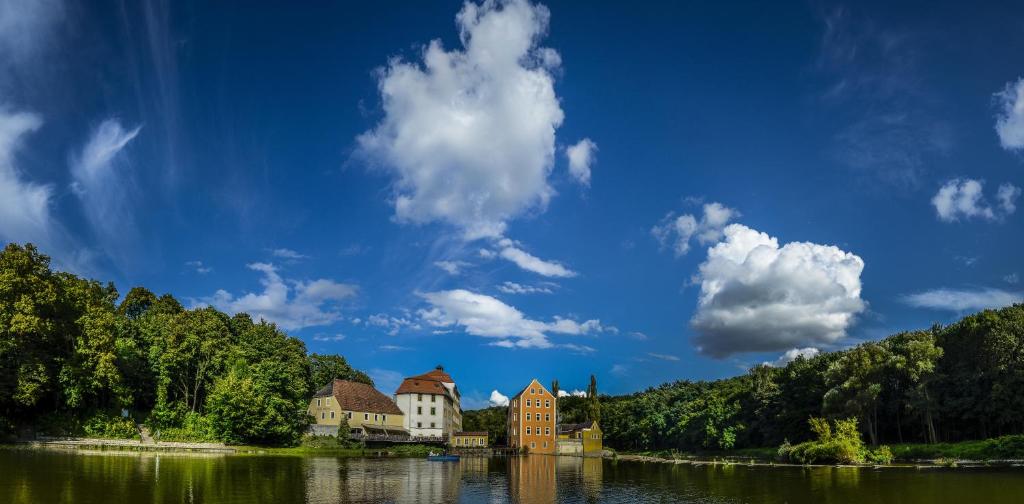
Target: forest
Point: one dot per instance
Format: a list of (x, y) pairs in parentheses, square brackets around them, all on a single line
[(72, 359), (943, 384)]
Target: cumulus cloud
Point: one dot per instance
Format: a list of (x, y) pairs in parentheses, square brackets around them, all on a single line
[(199, 267), (289, 304), (469, 134), (676, 231), (581, 156), (964, 199), (792, 354), (286, 253), (451, 267), (574, 393), (963, 300), (24, 205), (103, 182), (482, 315), (512, 251), (515, 288), (1010, 117), (758, 296), (498, 399)]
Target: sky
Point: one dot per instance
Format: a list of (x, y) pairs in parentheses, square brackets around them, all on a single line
[(522, 190)]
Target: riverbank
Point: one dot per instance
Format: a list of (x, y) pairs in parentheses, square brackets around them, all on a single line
[(305, 449), (1002, 451)]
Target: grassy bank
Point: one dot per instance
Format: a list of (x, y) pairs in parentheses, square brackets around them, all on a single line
[(997, 449)]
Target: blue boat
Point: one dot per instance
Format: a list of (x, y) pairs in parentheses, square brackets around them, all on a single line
[(443, 458)]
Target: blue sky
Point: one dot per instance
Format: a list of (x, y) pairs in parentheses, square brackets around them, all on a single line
[(521, 190)]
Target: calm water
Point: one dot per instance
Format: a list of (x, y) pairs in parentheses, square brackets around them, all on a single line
[(58, 477)]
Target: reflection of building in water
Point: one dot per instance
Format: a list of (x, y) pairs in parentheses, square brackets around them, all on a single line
[(531, 478), (586, 473), (323, 480), (430, 481), (475, 466)]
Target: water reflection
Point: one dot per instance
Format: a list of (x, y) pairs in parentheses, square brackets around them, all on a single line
[(32, 476)]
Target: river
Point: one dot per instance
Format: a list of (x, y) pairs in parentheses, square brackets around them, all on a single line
[(46, 476)]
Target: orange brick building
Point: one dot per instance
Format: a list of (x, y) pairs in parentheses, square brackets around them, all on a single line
[(532, 417)]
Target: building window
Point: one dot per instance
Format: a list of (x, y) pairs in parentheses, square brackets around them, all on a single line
[(431, 425), (547, 417), (527, 431), (332, 415), (419, 425), (433, 410), (533, 445), (321, 415), (547, 431), (419, 410), (433, 398), (533, 391), (318, 402), (547, 404), (384, 418), (419, 397), (349, 415), (545, 444), (366, 416), (527, 403), (527, 415)]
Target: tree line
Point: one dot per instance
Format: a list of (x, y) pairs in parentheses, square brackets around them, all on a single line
[(944, 384), (73, 357)]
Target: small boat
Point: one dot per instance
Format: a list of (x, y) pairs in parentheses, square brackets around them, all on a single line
[(443, 458)]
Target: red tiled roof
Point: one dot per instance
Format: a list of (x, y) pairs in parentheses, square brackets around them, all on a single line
[(437, 375), (355, 396), (419, 385)]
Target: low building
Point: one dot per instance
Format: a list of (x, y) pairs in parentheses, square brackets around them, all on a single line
[(532, 415), (469, 440), (366, 411), (580, 439), (431, 404)]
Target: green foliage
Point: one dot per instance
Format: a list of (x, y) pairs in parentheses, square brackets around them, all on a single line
[(325, 368), (68, 350), (1000, 448), (838, 443), (494, 420)]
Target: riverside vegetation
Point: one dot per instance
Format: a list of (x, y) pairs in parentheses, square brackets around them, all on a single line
[(72, 358)]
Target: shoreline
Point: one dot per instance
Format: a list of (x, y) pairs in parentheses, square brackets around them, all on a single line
[(726, 460)]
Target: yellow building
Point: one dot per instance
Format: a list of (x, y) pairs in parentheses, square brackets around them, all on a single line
[(364, 408), (469, 439), (587, 436)]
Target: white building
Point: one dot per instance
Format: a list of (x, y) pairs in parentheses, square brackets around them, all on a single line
[(431, 404)]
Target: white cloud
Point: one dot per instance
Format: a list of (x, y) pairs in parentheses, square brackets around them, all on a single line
[(665, 357), (103, 182), (515, 288), (451, 267), (25, 26), (581, 156), (511, 251), (1012, 278), (329, 337), (469, 135), (285, 253), (199, 267), (639, 336), (498, 399), (677, 231), (578, 349), (963, 300), (574, 393), (1007, 196), (964, 199), (482, 315), (620, 370), (391, 323), (792, 354), (289, 304), (757, 296), (24, 205), (393, 348), (1010, 118)]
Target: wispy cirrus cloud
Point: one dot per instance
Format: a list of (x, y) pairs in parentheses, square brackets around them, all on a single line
[(963, 300)]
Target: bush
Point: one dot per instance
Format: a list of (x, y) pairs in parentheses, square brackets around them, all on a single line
[(104, 425), (881, 455), (194, 428), (841, 445)]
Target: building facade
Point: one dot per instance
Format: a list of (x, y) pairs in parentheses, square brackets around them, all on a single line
[(580, 439), (364, 409), (532, 419), (431, 404), (469, 440)]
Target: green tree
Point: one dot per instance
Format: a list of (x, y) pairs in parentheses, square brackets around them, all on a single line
[(325, 368), (594, 411), (856, 381)]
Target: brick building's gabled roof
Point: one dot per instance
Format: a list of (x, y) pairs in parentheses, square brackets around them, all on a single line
[(527, 387), (431, 382), (355, 396)]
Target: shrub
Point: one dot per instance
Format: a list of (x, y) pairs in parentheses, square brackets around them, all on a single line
[(194, 428), (104, 425), (881, 455), (837, 443)]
